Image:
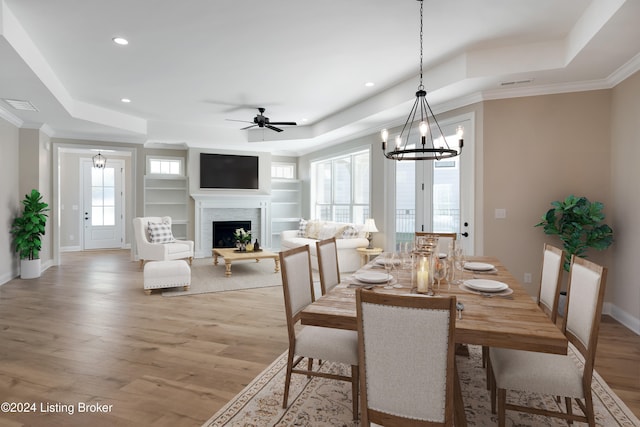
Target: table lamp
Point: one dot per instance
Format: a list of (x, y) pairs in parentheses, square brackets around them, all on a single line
[(370, 227)]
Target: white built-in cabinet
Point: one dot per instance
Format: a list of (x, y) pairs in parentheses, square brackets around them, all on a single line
[(168, 196), (286, 208)]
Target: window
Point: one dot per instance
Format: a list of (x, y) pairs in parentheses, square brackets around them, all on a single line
[(283, 170), (158, 165), (340, 188)]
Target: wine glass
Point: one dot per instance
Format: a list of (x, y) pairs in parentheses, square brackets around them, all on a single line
[(389, 262), (440, 270), (459, 261)]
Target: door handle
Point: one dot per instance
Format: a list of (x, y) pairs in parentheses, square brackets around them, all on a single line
[(465, 234), (86, 216)]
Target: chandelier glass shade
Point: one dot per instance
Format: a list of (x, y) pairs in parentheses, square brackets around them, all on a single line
[(99, 161), (428, 147)]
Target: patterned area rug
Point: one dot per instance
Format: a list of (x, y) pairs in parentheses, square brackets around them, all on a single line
[(249, 274), (323, 402)]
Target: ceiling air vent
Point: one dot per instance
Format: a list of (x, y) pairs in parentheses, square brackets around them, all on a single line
[(21, 105), (516, 82)]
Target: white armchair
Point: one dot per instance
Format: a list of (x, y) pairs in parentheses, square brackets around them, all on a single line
[(148, 251)]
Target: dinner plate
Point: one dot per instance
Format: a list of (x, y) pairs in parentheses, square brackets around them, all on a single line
[(382, 261), (478, 266), (442, 255), (486, 285), (372, 277)]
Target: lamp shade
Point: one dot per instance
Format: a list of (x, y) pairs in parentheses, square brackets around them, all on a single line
[(370, 226)]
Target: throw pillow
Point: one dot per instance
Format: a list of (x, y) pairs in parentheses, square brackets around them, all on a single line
[(313, 229), (327, 231), (302, 228), (160, 232), (350, 232)]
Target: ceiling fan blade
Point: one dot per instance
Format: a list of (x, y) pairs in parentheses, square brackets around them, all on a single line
[(233, 120), (249, 127), (273, 128), (284, 123)]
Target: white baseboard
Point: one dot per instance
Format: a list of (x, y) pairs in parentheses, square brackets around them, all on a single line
[(622, 316), (7, 277), (70, 249)]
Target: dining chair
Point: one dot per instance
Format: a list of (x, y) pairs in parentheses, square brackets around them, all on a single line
[(552, 374), (407, 359), (312, 342), (550, 280), (327, 252), (548, 294)]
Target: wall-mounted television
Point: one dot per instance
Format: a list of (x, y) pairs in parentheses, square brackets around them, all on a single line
[(228, 171)]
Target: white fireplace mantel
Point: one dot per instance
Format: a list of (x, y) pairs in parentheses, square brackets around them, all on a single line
[(229, 201)]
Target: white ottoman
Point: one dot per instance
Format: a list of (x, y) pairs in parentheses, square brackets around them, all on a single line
[(166, 274)]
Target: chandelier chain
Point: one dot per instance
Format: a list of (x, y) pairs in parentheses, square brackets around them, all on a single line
[(421, 87)]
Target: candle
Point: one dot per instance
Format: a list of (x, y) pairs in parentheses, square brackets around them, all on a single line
[(423, 276)]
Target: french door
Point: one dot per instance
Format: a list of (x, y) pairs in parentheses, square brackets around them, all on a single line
[(436, 196), (102, 201)]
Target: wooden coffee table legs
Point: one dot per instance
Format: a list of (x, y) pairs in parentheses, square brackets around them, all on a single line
[(229, 259)]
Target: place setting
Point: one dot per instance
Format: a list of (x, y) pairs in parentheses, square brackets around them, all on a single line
[(480, 268), (486, 287)]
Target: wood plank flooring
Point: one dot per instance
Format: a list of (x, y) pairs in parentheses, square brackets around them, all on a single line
[(85, 332)]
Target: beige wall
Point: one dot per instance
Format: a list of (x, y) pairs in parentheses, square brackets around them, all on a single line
[(10, 197), (537, 150), (624, 291)]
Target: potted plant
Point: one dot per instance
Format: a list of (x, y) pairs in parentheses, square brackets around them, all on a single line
[(243, 238), (27, 230), (578, 223)]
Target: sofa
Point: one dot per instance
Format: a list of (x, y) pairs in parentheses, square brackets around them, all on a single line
[(349, 238)]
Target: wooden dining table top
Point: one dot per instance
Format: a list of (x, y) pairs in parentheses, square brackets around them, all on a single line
[(514, 322)]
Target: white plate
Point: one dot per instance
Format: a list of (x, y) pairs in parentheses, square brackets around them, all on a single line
[(442, 255), (372, 277), (478, 266), (383, 262), (486, 285)]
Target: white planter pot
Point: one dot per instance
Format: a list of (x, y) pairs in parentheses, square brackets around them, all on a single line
[(29, 268)]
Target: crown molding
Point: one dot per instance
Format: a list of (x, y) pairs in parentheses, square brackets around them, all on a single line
[(4, 114)]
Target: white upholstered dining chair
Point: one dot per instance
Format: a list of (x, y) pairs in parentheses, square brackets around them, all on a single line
[(552, 374), (548, 295), (550, 280), (327, 252), (312, 342), (406, 352)]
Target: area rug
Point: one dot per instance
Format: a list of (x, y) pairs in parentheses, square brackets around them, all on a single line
[(322, 402), (249, 274)]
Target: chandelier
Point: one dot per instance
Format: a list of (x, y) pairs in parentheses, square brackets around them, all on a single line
[(429, 148), (99, 161)]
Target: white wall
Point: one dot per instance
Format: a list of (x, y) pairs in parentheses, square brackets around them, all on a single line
[(9, 198)]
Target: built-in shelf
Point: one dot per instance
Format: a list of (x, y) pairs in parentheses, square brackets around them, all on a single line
[(286, 208), (168, 196)]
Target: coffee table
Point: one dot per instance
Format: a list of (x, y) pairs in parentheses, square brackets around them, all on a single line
[(230, 255)]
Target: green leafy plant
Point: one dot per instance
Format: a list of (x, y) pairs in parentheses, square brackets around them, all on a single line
[(578, 223), (242, 236), (28, 228)]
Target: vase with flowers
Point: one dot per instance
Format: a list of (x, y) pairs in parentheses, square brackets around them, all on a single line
[(242, 237)]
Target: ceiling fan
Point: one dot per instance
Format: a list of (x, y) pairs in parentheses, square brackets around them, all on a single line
[(263, 122)]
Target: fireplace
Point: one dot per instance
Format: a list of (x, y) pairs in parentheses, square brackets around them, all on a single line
[(223, 233)]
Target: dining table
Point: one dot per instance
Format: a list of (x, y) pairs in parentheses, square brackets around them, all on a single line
[(509, 319)]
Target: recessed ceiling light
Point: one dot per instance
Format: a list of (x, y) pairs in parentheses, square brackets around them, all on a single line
[(369, 84), (305, 120), (125, 100), (121, 41)]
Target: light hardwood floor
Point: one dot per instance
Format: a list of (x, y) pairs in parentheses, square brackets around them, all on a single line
[(86, 332)]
